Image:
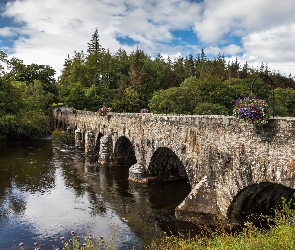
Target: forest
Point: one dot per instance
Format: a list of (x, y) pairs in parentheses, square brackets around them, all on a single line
[(131, 82)]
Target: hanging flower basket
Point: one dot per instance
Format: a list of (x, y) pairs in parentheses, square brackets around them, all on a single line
[(103, 110), (144, 111), (251, 110)]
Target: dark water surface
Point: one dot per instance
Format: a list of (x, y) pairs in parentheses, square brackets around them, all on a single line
[(48, 189)]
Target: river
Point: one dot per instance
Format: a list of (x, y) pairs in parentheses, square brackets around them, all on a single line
[(48, 189)]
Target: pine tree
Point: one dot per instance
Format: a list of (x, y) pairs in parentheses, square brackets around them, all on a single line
[(93, 45)]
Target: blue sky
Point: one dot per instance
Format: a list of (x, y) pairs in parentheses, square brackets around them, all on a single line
[(256, 31)]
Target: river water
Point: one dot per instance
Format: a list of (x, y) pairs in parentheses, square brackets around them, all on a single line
[(48, 189)]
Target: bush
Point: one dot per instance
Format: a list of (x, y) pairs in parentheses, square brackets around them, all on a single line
[(8, 126), (210, 109), (63, 136)]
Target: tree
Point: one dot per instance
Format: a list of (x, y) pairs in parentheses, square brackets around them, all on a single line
[(284, 102), (73, 95), (207, 108), (94, 45), (189, 65), (139, 77), (36, 97), (97, 96), (34, 72), (209, 90), (176, 100), (11, 96), (23, 110)]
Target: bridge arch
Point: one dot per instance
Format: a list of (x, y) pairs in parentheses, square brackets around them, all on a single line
[(256, 200), (98, 143), (222, 157), (165, 165), (124, 153)]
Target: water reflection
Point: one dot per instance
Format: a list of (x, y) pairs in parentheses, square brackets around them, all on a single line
[(48, 189)]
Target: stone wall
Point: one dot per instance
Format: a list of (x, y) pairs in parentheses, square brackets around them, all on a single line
[(221, 155)]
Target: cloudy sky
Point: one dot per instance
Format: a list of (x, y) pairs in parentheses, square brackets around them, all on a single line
[(47, 31)]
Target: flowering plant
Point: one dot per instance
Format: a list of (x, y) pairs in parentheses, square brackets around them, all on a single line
[(251, 110), (144, 111), (103, 110)]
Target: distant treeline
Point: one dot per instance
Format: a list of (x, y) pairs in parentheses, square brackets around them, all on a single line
[(128, 83)]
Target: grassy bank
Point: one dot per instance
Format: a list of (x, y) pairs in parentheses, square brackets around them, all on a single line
[(279, 236)]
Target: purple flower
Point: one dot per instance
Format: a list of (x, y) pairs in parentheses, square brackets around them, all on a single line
[(73, 232), (21, 244), (251, 110)]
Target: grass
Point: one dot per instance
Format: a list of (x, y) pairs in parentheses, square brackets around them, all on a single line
[(279, 236)]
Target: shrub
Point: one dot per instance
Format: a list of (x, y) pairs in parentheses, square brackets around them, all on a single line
[(63, 136)]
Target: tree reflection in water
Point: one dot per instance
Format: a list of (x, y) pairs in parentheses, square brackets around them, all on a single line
[(47, 190)]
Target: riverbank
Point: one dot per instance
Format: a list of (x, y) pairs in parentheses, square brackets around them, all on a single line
[(279, 235)]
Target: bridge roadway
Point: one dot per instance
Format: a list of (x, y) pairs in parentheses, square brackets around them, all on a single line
[(236, 170)]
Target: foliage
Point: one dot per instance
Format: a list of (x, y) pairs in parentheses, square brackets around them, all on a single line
[(94, 46), (8, 125), (75, 242), (132, 82), (177, 100), (280, 235), (36, 97), (129, 101), (73, 95), (26, 124), (34, 72), (63, 136), (32, 124), (251, 110), (210, 90), (26, 92), (206, 108), (284, 101)]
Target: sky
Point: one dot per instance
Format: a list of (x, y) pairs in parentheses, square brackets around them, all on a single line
[(47, 31)]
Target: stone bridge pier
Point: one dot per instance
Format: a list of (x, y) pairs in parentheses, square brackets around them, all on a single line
[(236, 171)]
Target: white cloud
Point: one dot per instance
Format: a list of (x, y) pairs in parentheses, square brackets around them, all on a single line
[(50, 30), (7, 32), (266, 29), (232, 49), (53, 29), (226, 17), (273, 45)]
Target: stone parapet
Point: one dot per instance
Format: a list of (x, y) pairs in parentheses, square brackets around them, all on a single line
[(231, 154)]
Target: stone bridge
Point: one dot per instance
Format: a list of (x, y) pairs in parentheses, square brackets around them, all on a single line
[(236, 171)]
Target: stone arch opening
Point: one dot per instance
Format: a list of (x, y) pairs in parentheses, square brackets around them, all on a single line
[(98, 143), (166, 166), (124, 154), (256, 200)]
